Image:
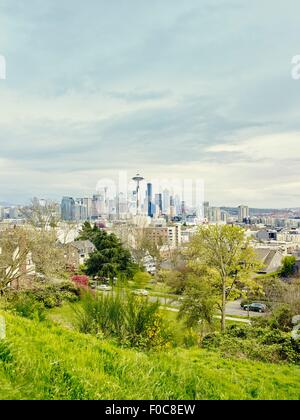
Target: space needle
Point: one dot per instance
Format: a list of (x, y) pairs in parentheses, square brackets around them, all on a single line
[(137, 179)]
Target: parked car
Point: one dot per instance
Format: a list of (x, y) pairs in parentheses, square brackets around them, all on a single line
[(141, 292), (104, 288), (255, 307)]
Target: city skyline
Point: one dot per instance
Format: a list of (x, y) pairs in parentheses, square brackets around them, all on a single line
[(179, 89)]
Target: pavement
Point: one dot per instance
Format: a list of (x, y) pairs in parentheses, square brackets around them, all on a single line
[(233, 309)]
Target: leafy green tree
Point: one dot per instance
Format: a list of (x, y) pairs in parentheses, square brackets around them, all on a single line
[(110, 259), (288, 266), (198, 302), (141, 279), (222, 255)]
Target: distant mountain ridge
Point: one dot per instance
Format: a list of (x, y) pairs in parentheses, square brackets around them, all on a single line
[(6, 204)]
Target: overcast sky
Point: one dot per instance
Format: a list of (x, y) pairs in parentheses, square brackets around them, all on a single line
[(172, 88)]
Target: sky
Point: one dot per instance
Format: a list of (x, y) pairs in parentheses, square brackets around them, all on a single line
[(170, 89)]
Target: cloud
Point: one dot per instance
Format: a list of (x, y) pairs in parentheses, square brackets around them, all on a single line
[(196, 89)]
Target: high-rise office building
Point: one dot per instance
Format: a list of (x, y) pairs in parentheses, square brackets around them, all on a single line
[(172, 207), (206, 209), (87, 202), (100, 205), (183, 208), (68, 209), (166, 202), (149, 200), (158, 203), (80, 210)]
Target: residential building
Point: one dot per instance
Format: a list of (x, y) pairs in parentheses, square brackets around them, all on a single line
[(77, 252), (271, 259), (243, 213)]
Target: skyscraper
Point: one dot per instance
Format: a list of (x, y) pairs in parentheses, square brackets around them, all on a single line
[(80, 210), (158, 203), (206, 209), (166, 202), (214, 214), (87, 202), (68, 209), (243, 213), (172, 207), (149, 200)]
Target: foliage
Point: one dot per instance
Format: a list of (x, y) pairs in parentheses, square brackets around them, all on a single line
[(136, 238), (281, 318), (110, 258), (26, 305), (221, 254), (191, 338), (288, 266), (5, 351), (46, 296), (175, 279), (40, 215), (81, 280), (132, 320), (141, 279), (17, 245), (50, 362), (253, 342), (198, 303)]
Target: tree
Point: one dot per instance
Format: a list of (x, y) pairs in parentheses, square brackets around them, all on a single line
[(221, 255), (136, 238), (198, 302), (110, 258), (141, 279), (43, 215), (26, 253), (288, 266)]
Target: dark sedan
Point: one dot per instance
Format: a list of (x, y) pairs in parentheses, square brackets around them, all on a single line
[(255, 307)]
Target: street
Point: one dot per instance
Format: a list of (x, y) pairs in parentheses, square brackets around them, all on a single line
[(233, 309)]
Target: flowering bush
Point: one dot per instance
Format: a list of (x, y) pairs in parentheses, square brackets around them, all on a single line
[(81, 280)]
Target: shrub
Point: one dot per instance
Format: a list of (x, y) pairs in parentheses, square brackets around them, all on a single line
[(132, 320), (26, 305), (81, 280), (288, 266), (282, 318), (211, 340), (262, 344), (49, 296), (237, 331), (191, 339)]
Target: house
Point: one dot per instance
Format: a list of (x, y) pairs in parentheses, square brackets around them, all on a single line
[(78, 252), (271, 259)]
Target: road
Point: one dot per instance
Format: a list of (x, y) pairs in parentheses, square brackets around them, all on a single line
[(232, 308)]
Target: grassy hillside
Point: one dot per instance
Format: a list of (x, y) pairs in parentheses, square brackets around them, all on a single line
[(51, 362)]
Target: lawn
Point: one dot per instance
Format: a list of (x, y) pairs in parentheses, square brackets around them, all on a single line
[(41, 360)]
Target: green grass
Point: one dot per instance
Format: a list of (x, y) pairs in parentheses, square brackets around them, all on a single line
[(63, 315), (46, 361)]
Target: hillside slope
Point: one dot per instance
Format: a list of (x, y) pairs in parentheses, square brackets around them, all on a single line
[(49, 362)]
